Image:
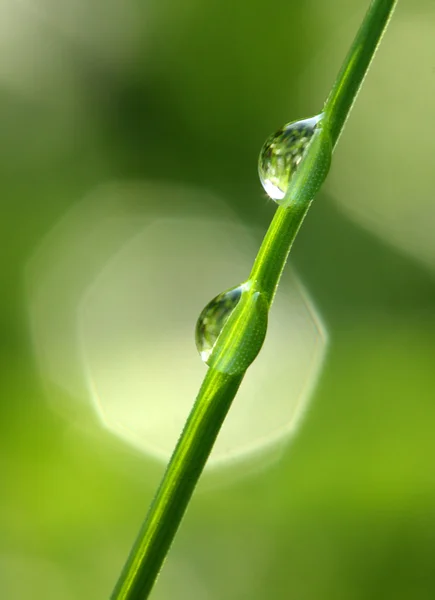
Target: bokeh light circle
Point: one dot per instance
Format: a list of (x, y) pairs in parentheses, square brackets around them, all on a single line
[(123, 296)]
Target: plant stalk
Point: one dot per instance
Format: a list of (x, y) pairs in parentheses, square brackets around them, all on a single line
[(219, 389), (181, 476), (354, 69)]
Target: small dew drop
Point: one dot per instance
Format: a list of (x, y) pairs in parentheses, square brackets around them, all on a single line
[(231, 349), (281, 154), (213, 318)]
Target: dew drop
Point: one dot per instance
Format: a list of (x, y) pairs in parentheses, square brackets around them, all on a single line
[(281, 154), (213, 318), (234, 351)]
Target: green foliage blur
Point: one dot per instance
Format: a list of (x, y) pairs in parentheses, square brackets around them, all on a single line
[(186, 93)]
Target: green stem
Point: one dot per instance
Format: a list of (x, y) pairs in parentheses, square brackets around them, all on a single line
[(356, 65), (219, 389), (277, 243), (181, 476)]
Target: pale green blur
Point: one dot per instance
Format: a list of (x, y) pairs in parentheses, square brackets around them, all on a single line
[(97, 95)]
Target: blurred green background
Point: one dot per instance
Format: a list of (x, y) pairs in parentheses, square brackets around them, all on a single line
[(184, 94)]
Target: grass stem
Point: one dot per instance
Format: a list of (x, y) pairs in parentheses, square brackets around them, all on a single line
[(219, 389)]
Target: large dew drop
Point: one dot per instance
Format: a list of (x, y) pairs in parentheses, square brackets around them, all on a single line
[(281, 154)]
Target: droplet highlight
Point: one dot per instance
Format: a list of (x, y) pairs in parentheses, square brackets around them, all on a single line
[(282, 153)]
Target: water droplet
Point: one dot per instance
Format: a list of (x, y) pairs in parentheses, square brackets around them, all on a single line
[(231, 349), (282, 153), (213, 318)]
